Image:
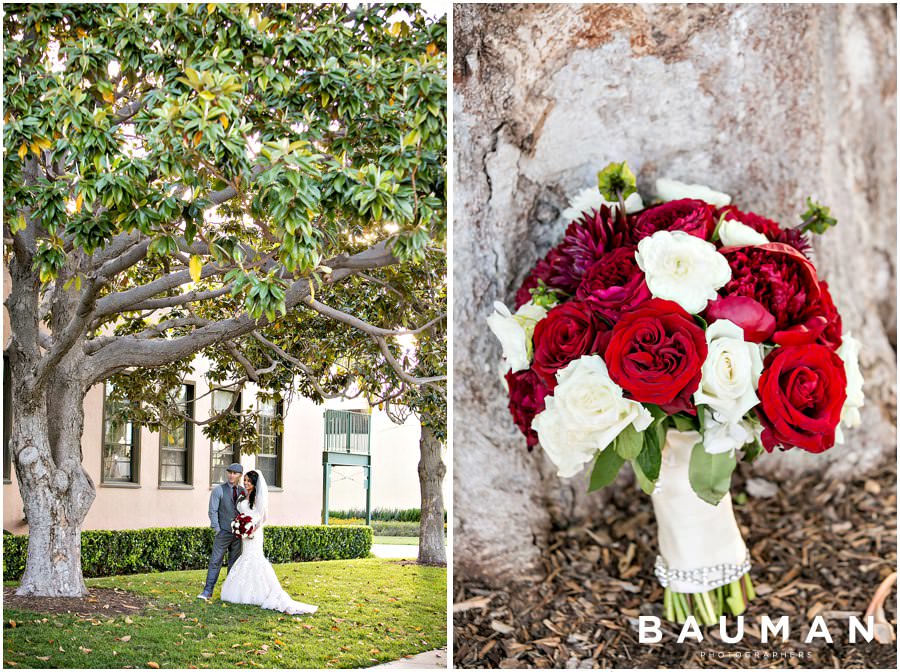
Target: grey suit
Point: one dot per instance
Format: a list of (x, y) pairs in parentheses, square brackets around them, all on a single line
[(222, 511)]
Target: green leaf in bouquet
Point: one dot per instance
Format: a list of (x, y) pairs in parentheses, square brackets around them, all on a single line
[(544, 296), (684, 423), (616, 181), (710, 475), (647, 485), (817, 218), (606, 467), (629, 443), (752, 450), (650, 456), (715, 235), (656, 412)]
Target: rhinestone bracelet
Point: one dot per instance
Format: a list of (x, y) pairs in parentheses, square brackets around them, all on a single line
[(712, 577)]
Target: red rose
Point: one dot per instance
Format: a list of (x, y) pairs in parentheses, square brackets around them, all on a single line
[(655, 354), (687, 214), (614, 285), (569, 331), (526, 400), (769, 228), (802, 390), (777, 276)]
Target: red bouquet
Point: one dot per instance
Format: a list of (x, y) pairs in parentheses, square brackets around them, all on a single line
[(688, 328), (242, 526)]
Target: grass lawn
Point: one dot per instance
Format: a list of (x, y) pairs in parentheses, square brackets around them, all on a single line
[(370, 611)]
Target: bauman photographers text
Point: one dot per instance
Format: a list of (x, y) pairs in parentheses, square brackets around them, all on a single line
[(650, 633)]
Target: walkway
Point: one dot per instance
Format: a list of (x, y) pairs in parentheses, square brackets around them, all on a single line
[(395, 551), (430, 660)]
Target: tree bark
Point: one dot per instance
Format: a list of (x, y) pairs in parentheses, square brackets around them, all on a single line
[(431, 478), (769, 103)]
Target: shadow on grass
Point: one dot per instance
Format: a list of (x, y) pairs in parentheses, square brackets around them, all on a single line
[(370, 611)]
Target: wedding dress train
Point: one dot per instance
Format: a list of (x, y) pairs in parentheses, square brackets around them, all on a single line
[(252, 579)]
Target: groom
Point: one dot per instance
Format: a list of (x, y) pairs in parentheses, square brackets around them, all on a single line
[(222, 510)]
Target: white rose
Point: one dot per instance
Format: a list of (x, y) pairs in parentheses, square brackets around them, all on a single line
[(682, 268), (730, 374), (720, 436), (733, 233), (591, 199), (850, 417), (672, 190), (585, 414), (515, 331)]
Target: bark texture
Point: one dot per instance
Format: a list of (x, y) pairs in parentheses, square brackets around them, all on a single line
[(768, 103), (431, 478)]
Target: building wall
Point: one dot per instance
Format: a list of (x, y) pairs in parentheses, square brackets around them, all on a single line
[(299, 502)]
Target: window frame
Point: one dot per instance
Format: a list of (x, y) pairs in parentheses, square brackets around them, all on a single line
[(135, 481), (235, 446), (188, 482), (279, 445)]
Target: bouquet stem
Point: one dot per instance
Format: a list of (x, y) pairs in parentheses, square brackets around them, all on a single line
[(708, 607)]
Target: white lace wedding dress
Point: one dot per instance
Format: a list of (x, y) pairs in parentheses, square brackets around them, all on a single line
[(252, 580)]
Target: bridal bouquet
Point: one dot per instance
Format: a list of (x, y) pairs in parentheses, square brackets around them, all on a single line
[(679, 337), (242, 526)]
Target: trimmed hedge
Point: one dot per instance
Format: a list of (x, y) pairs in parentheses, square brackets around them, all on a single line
[(164, 549)]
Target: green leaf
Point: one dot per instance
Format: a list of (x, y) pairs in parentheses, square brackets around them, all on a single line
[(616, 178), (752, 450), (710, 475), (817, 218), (650, 456), (628, 444), (684, 423), (605, 469), (647, 485)]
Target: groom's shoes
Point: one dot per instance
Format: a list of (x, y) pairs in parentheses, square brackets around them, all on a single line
[(204, 596)]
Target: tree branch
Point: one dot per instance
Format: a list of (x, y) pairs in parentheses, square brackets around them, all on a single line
[(308, 372)]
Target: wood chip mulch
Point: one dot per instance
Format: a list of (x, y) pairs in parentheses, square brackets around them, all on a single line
[(818, 548), (98, 601)]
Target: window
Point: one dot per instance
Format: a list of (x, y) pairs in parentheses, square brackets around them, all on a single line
[(121, 442), (7, 419), (176, 444), (223, 454), (268, 460)]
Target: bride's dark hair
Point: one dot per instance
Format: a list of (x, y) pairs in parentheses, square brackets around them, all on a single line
[(254, 479)]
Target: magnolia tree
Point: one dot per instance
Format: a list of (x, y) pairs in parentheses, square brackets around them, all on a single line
[(261, 184)]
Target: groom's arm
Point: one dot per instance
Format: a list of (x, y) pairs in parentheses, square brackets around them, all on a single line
[(214, 500)]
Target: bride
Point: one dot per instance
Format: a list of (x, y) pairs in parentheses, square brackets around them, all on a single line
[(252, 580)]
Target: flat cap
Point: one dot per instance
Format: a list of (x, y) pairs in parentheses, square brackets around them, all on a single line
[(235, 467)]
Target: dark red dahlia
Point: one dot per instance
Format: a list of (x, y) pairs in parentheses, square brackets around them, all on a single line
[(526, 400), (586, 240), (821, 323), (778, 277), (769, 228), (689, 215), (614, 285)]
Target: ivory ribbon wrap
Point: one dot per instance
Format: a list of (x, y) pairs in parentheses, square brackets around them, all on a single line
[(694, 535)]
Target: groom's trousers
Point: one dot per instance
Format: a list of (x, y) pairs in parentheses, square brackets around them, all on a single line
[(223, 541)]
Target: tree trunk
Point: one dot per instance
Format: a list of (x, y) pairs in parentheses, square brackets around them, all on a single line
[(431, 479), (56, 491), (769, 103)]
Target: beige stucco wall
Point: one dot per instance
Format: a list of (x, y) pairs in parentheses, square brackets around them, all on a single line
[(395, 481)]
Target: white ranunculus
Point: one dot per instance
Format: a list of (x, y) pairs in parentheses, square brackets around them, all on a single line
[(591, 199), (682, 268), (672, 190), (850, 417), (730, 374), (585, 414), (721, 436), (515, 331), (734, 233)]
